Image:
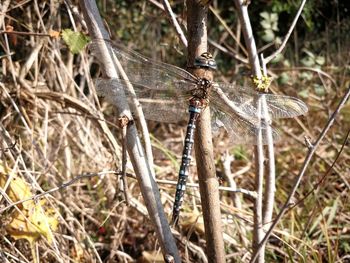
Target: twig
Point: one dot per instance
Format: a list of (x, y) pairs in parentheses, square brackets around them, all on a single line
[(258, 233), (307, 160), (242, 10), (174, 22), (123, 123), (136, 108), (226, 51), (259, 177), (227, 28), (143, 169), (226, 161), (232, 189), (270, 178), (286, 38), (331, 167), (5, 5), (157, 4), (26, 33)]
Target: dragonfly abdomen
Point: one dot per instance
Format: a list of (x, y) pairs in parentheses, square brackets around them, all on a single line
[(194, 110)]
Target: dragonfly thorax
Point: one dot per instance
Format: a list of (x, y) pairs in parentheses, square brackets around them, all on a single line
[(203, 89)]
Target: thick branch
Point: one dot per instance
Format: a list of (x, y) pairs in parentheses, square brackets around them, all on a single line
[(145, 173), (197, 44)]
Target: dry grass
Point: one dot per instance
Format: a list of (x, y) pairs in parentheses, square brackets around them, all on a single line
[(55, 129)]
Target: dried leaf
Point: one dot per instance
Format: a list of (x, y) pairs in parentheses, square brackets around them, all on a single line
[(54, 34), (9, 28), (153, 256)]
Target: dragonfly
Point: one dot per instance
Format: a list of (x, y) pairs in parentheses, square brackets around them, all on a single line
[(170, 94)]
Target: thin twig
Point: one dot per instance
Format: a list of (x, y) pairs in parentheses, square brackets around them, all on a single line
[(228, 52), (231, 189), (26, 33), (174, 22), (259, 178), (243, 15), (307, 160), (124, 124), (270, 178), (227, 159), (286, 38), (331, 167), (228, 29)]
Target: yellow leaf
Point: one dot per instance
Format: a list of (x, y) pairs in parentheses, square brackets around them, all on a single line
[(44, 221), (31, 220), (19, 228), (33, 223), (17, 189)]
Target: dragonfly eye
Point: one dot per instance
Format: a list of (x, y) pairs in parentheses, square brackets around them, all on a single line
[(205, 60)]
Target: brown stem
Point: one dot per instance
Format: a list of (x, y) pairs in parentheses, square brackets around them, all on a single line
[(208, 183)]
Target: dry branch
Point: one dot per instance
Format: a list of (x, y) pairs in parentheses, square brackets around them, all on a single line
[(143, 170)]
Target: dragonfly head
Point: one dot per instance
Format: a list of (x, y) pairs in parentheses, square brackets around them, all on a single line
[(205, 60)]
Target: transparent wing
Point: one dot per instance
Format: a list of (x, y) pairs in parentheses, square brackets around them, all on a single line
[(168, 106), (279, 106), (239, 129), (147, 72)]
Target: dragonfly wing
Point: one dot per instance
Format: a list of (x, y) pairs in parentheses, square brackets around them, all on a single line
[(279, 106), (147, 72), (158, 105), (241, 130)]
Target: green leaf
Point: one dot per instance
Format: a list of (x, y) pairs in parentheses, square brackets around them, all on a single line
[(304, 93), (278, 58), (265, 15), (306, 75), (76, 41), (319, 90), (286, 63), (239, 153), (278, 41), (265, 24), (274, 26), (268, 35), (320, 60), (309, 53), (283, 78), (307, 62), (274, 17)]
